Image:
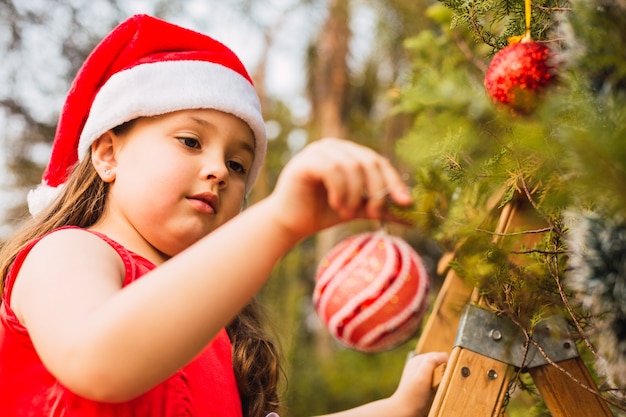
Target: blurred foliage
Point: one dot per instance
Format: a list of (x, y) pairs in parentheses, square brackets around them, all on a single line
[(322, 376)]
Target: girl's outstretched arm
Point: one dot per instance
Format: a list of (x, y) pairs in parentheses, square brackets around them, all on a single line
[(112, 344), (413, 395)]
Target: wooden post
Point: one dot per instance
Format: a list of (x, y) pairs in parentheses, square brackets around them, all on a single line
[(566, 397), (440, 329)]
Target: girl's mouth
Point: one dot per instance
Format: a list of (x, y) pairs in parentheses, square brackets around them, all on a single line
[(204, 202)]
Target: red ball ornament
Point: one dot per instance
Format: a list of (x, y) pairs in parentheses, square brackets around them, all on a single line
[(518, 73), (371, 291)]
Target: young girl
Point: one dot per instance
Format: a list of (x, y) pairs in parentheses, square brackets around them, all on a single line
[(129, 293)]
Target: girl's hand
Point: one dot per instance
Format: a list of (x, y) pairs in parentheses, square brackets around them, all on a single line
[(413, 395), (415, 388), (334, 180)]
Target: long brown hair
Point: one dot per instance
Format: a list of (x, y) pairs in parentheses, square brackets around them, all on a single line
[(81, 203), (256, 362)]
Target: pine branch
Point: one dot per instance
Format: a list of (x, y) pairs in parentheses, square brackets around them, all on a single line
[(493, 22)]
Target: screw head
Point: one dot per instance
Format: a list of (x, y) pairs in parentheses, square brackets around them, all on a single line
[(495, 334)]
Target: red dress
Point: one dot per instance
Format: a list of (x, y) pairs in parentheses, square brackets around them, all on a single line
[(206, 387)]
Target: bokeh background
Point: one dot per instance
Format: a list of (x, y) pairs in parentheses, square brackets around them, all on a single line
[(322, 68)]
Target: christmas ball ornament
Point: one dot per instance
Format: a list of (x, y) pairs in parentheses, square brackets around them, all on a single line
[(518, 74), (371, 291)]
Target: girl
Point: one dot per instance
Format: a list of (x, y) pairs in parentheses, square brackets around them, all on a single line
[(159, 141)]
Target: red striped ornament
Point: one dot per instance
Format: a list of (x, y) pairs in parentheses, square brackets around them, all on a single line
[(371, 291)]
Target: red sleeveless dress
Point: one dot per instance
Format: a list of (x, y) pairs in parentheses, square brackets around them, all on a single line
[(206, 387)]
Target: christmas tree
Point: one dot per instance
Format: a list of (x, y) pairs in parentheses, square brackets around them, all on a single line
[(561, 158)]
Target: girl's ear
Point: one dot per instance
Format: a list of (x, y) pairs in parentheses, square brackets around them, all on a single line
[(103, 156)]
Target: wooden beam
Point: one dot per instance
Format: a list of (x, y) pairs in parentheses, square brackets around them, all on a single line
[(566, 397)]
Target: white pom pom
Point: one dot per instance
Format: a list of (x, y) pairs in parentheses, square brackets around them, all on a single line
[(39, 198)]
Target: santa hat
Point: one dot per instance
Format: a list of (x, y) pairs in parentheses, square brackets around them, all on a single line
[(147, 67)]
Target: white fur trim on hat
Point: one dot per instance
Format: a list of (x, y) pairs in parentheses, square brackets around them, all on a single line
[(167, 86), (158, 88)]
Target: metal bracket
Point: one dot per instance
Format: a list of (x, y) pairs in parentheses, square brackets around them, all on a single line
[(497, 337)]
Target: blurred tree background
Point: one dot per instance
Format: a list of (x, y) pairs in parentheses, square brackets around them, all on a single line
[(350, 60), (401, 76)]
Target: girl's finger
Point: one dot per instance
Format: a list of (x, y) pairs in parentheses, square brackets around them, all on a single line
[(336, 184), (350, 166), (398, 190), (387, 185)]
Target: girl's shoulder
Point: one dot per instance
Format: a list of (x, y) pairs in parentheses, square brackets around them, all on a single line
[(66, 236), (73, 244), (91, 249), (58, 260), (67, 245)]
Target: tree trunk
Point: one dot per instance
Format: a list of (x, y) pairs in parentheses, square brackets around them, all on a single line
[(329, 80), (330, 71)]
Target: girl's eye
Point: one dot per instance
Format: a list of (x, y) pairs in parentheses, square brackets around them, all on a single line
[(236, 166), (190, 142)]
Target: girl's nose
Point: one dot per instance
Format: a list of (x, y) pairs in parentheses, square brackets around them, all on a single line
[(216, 170), (221, 182)]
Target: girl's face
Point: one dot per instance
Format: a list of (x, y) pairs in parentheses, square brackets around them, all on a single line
[(177, 178)]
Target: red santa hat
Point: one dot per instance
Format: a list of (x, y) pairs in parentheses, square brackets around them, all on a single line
[(147, 67)]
